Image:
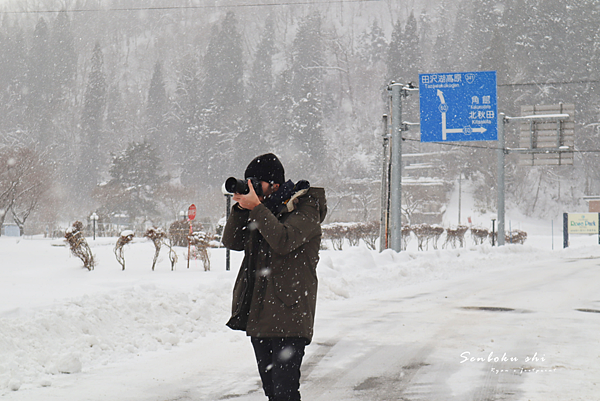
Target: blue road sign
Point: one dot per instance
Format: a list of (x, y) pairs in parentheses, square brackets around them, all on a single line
[(458, 107)]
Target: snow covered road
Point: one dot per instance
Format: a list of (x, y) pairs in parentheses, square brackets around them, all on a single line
[(505, 334)]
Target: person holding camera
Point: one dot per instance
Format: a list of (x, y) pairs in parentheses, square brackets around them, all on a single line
[(278, 226)]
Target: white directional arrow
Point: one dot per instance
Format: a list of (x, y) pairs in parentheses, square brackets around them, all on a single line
[(441, 96), (443, 108), (445, 130), (468, 129)]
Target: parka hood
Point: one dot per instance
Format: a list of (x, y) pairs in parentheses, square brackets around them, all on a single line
[(316, 193), (319, 194)]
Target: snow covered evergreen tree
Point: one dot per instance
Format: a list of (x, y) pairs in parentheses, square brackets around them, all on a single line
[(258, 125), (136, 174), (187, 121), (496, 57), (426, 41), (461, 57), (306, 144), (261, 80), (38, 117), (64, 57), (157, 109), (372, 44), (92, 122), (394, 57), (64, 98), (440, 59), (484, 17), (13, 72), (222, 100), (411, 53)]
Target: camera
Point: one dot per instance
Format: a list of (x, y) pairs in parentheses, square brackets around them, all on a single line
[(236, 186)]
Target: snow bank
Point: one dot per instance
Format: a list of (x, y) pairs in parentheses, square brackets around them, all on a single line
[(103, 328), (358, 270)]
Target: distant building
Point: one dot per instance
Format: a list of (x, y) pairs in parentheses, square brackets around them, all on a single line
[(10, 230), (593, 203), (424, 190)]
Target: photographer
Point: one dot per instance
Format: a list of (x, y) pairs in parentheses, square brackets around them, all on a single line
[(275, 293)]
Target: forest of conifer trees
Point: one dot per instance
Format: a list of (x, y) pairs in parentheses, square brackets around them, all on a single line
[(143, 109)]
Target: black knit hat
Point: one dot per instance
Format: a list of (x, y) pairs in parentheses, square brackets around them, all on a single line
[(266, 168)]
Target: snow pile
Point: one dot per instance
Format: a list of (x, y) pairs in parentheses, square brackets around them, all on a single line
[(358, 270), (103, 328)]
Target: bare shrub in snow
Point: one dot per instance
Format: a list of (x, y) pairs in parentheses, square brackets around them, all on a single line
[(125, 238), (200, 241), (424, 233), (454, 235), (515, 237), (336, 233), (157, 236), (479, 235), (172, 254), (369, 232), (79, 246), (353, 233)]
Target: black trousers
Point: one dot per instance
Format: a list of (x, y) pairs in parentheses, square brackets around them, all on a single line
[(279, 361)]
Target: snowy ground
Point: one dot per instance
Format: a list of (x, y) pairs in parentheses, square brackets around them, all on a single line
[(478, 323)]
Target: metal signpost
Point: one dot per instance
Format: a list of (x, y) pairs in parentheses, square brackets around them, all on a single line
[(454, 107), (460, 107), (463, 106)]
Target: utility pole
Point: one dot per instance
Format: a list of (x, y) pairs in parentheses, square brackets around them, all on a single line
[(396, 173), (501, 156), (459, 195)]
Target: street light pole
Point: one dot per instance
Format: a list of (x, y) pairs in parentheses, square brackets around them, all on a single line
[(94, 218), (501, 157)]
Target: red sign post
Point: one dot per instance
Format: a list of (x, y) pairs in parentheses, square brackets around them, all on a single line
[(191, 216)]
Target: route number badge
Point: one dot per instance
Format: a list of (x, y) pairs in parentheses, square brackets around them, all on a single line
[(458, 107)]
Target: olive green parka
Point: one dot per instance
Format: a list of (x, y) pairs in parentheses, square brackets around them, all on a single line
[(275, 292)]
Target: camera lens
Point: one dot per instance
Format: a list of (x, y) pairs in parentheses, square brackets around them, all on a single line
[(235, 186)]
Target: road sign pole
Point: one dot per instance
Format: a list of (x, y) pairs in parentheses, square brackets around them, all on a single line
[(227, 252), (189, 244), (191, 216), (396, 174), (565, 230), (501, 155)]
